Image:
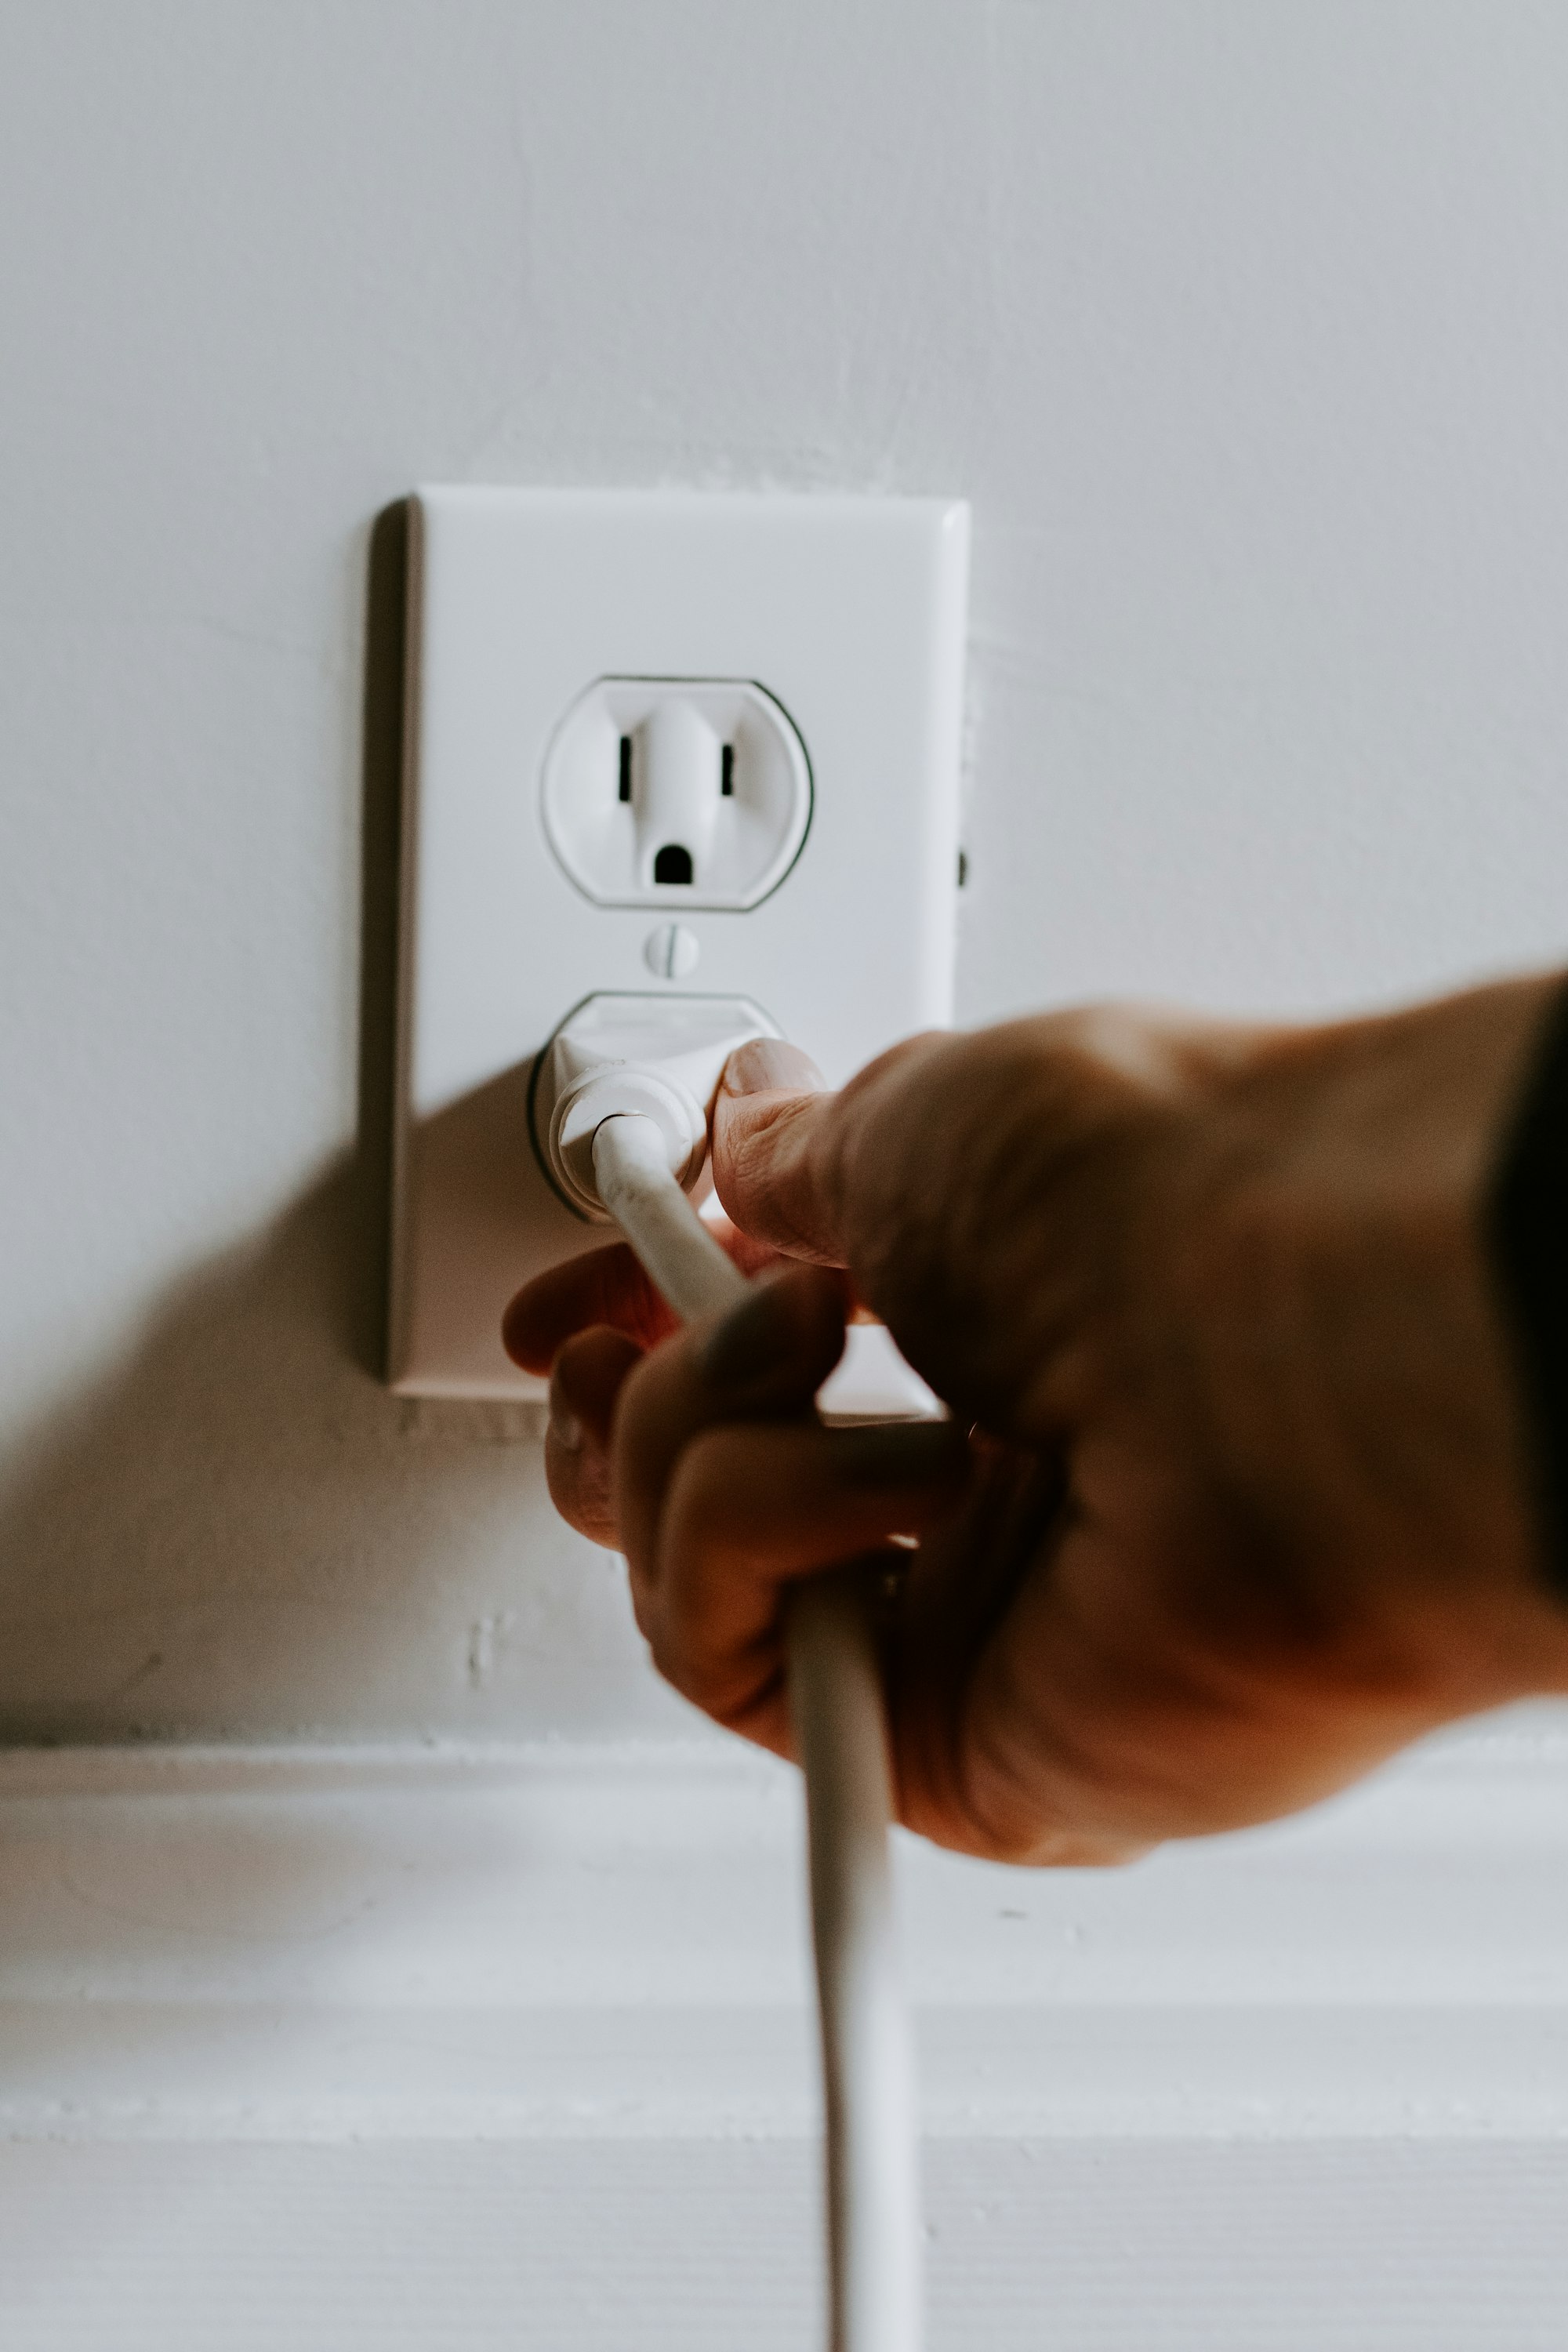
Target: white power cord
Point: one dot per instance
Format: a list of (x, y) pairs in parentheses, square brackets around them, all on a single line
[(835, 1700)]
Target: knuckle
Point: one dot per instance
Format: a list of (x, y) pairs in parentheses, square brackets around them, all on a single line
[(645, 1608), (677, 1663), (705, 1486)]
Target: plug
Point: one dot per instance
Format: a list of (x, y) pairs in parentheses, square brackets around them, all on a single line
[(659, 1057)]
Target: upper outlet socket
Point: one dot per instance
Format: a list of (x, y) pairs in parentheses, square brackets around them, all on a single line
[(667, 792)]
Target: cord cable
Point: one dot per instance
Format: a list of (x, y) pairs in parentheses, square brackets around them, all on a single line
[(836, 1704)]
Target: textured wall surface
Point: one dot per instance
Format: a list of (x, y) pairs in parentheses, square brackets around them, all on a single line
[(1245, 330)]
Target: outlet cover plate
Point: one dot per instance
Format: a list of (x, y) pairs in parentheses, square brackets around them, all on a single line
[(851, 612)]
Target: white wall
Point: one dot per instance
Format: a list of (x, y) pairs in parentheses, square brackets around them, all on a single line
[(1245, 327)]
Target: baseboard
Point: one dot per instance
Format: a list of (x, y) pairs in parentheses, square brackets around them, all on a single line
[(288, 1974)]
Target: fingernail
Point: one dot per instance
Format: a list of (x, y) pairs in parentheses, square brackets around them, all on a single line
[(749, 1342), (565, 1427), (772, 1065)]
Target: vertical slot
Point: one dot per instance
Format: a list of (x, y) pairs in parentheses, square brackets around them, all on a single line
[(626, 766), (727, 771)]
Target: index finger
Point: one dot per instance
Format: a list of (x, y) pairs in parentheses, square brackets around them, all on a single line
[(601, 1287)]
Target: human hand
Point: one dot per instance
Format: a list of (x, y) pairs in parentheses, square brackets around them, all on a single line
[(1233, 1503)]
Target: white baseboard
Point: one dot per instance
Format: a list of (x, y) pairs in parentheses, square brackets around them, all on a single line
[(474, 2048)]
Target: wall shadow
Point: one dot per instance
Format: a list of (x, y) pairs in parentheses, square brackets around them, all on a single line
[(237, 1530)]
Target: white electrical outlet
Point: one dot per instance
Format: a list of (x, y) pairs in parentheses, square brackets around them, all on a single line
[(660, 745)]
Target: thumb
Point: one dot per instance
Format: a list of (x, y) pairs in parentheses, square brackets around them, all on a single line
[(773, 1148)]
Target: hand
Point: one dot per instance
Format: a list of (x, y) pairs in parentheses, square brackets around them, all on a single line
[(1233, 1503)]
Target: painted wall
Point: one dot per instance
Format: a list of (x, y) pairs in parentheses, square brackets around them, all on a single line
[(1247, 332)]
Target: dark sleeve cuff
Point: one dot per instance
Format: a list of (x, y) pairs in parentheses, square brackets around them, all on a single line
[(1528, 1236)]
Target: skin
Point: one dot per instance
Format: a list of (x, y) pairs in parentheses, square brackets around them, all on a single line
[(1233, 1500)]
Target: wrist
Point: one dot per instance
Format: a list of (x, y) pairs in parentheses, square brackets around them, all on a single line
[(1363, 1362)]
